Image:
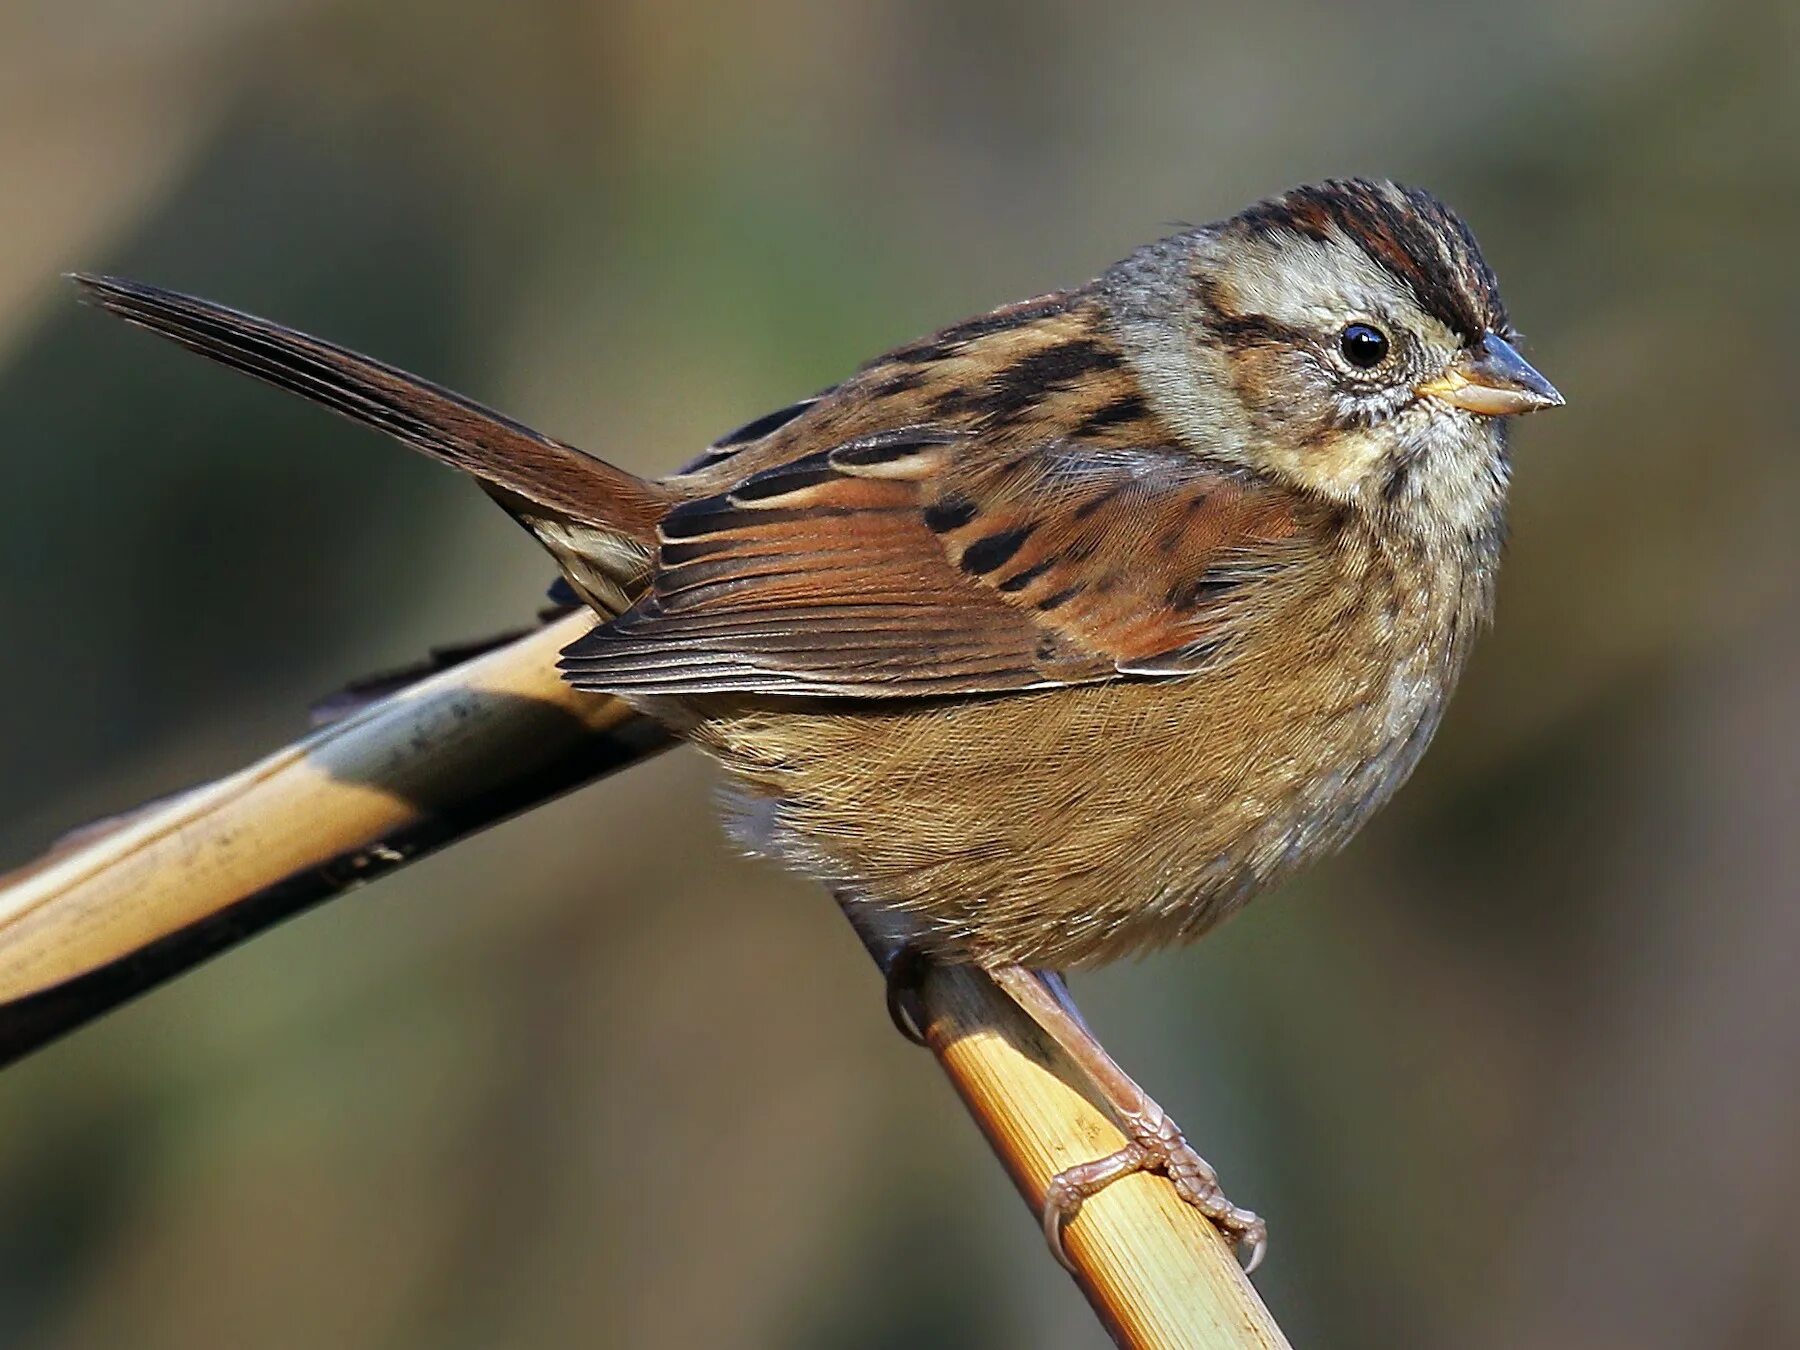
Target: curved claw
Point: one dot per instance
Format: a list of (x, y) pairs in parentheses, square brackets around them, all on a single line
[(1068, 1188), (905, 973), (1258, 1240), (1055, 1215)]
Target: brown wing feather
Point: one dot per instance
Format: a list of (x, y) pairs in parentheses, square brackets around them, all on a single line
[(924, 561), (1135, 554)]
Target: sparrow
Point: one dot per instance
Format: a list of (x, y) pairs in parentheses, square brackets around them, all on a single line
[(1057, 635)]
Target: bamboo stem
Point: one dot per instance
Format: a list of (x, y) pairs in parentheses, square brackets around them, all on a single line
[(126, 907)]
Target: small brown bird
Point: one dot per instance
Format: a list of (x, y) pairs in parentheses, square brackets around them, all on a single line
[(1058, 634)]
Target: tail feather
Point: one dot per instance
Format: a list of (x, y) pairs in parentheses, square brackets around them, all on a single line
[(542, 481)]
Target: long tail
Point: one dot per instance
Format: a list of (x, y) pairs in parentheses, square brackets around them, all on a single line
[(597, 520)]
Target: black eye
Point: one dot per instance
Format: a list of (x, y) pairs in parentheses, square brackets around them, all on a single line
[(1363, 346)]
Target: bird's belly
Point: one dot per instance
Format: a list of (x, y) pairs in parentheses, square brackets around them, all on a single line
[(1070, 826)]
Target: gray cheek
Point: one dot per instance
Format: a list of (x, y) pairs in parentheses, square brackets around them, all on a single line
[(1188, 385), (1289, 396)]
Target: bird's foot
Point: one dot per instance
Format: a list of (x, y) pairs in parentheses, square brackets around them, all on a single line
[(1153, 1141), (1154, 1144)]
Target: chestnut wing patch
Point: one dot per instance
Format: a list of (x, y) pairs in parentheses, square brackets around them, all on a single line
[(926, 562)]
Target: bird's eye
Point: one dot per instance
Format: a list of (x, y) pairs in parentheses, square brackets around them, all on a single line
[(1363, 346)]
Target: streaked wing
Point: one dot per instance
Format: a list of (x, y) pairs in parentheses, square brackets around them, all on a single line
[(733, 442), (926, 561)]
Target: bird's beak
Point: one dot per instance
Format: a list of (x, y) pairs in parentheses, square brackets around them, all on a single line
[(1491, 378)]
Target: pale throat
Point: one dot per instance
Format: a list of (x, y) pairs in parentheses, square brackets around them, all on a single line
[(1447, 483)]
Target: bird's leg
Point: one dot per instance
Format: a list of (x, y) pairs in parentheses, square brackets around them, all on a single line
[(1154, 1142), (901, 958)]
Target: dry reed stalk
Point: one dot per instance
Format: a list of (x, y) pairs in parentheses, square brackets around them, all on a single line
[(134, 902)]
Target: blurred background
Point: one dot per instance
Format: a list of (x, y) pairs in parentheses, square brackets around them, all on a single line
[(1521, 1068)]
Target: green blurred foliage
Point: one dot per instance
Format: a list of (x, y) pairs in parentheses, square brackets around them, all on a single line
[(1521, 1068)]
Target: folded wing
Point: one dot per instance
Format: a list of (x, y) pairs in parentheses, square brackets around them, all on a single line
[(923, 561)]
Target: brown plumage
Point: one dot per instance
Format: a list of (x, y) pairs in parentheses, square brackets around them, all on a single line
[(1057, 634)]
